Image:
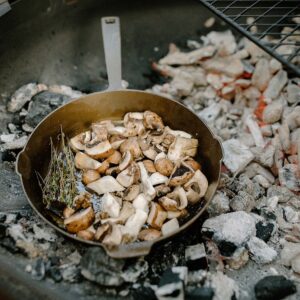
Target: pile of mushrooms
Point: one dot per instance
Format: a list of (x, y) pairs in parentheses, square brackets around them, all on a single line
[(144, 175)]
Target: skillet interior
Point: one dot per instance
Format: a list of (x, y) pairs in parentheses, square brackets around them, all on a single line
[(77, 116)]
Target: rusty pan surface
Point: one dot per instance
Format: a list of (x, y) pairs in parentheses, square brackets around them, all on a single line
[(77, 115)]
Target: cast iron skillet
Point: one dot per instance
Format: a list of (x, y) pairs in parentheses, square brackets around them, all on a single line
[(77, 115)]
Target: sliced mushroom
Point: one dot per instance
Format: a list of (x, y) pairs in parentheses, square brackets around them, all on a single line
[(108, 124), (153, 121), (86, 137), (176, 133), (141, 202), (149, 166), (80, 220), (117, 130), (89, 176), (196, 187), (101, 231), (133, 121), (87, 234), (126, 160), (168, 204), (168, 140), (132, 145), (170, 227), (164, 166), (135, 222), (159, 156), (116, 141), (82, 200), (181, 176), (76, 143), (193, 164), (149, 234), (100, 150), (157, 216), (157, 178), (177, 213), (129, 176), (106, 184), (68, 212), (126, 211), (101, 131), (150, 153), (110, 205), (115, 158), (114, 236), (182, 147), (104, 167), (131, 192), (83, 161), (148, 188), (180, 196), (162, 190)]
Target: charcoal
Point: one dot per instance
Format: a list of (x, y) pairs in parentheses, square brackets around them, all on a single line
[(38, 269), (273, 112), (296, 264), (264, 230), (293, 93), (195, 257), (242, 202), (143, 292), (274, 287), (260, 251), (289, 251), (219, 204), (275, 85), (262, 74), (55, 274), (200, 293)]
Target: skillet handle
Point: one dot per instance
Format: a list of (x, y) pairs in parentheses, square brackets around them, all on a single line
[(112, 51)]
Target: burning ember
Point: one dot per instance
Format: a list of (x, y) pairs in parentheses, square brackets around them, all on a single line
[(248, 100)]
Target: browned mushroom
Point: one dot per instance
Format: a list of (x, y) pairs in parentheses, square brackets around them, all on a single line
[(80, 220), (100, 131), (133, 121), (182, 147), (87, 234), (131, 192), (82, 200), (149, 165), (125, 160), (181, 176), (101, 231), (68, 212), (115, 158), (76, 143), (104, 167), (89, 176), (157, 216), (150, 153), (129, 176), (193, 164), (162, 190), (149, 234), (132, 145), (100, 150), (153, 121), (168, 203), (83, 161), (164, 166)]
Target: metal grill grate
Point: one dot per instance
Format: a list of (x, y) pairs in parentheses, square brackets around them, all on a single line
[(272, 25)]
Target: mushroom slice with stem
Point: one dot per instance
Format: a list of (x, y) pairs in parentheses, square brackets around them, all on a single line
[(149, 166), (131, 192), (129, 176), (126, 160), (148, 188), (89, 176), (133, 121), (115, 158), (80, 220), (153, 121), (132, 145), (157, 178), (162, 190), (181, 175), (110, 205), (180, 196), (87, 234), (106, 184), (83, 161), (149, 234), (100, 150), (101, 231), (114, 236), (170, 227), (168, 204), (134, 224), (100, 131), (191, 163), (141, 202), (104, 167), (198, 179), (176, 133), (164, 166), (117, 130), (150, 153), (182, 147), (126, 211), (157, 216), (167, 140), (76, 143), (83, 200)]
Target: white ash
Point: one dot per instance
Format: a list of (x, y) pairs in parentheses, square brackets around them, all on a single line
[(260, 251)]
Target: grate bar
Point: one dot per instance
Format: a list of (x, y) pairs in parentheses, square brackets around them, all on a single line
[(268, 21)]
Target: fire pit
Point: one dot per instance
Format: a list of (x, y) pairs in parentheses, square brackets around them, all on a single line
[(248, 244)]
